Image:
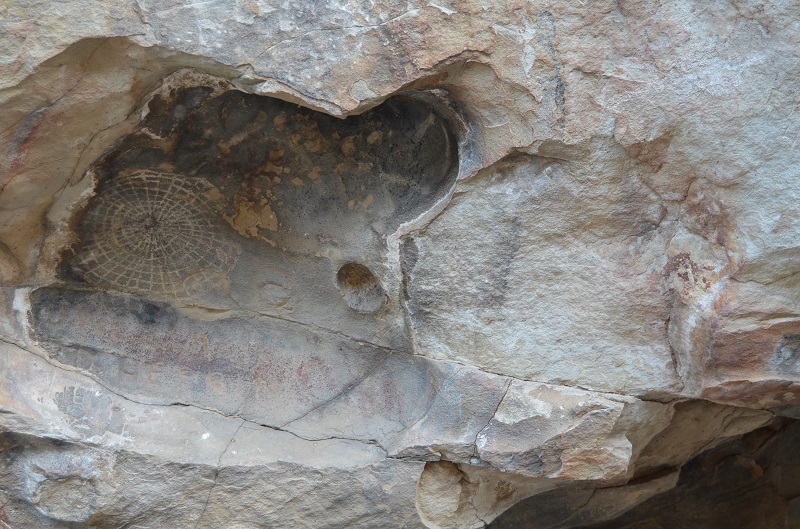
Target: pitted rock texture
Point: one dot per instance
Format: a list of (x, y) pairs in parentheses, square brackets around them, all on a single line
[(364, 264)]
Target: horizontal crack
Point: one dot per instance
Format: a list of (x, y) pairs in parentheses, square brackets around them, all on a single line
[(239, 310), (183, 404), (391, 350)]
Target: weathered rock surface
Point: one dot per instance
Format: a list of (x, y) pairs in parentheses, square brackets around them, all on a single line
[(382, 264), (753, 481)]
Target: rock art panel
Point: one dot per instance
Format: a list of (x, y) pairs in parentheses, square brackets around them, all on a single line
[(218, 190), (154, 233), (383, 265)]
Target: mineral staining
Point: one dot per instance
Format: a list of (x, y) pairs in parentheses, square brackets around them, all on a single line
[(211, 179), (269, 221), (286, 174)]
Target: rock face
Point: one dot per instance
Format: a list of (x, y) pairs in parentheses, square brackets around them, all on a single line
[(753, 481), (383, 264)]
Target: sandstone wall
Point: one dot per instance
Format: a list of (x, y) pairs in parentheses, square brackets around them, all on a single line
[(385, 264)]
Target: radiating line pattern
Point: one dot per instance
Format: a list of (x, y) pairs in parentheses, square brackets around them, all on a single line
[(154, 233)]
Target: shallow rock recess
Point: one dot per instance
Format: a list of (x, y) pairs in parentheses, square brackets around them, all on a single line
[(399, 264)]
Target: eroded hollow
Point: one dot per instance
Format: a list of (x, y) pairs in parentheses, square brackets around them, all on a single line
[(215, 179), (360, 288), (210, 254)]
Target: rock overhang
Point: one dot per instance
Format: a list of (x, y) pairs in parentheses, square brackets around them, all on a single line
[(570, 218)]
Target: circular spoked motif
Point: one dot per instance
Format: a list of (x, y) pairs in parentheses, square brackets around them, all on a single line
[(154, 233)]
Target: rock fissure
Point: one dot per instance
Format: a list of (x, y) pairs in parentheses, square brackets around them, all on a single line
[(216, 472), (344, 392), (488, 271), (453, 361), (494, 413), (91, 377)]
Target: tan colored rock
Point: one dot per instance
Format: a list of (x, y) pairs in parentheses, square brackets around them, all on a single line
[(551, 250)]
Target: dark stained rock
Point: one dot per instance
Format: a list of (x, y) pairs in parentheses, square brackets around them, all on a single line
[(752, 482)]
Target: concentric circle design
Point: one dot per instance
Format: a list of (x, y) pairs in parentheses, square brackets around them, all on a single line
[(154, 233)]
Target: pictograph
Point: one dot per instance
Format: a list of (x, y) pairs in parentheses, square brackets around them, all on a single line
[(154, 233)]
